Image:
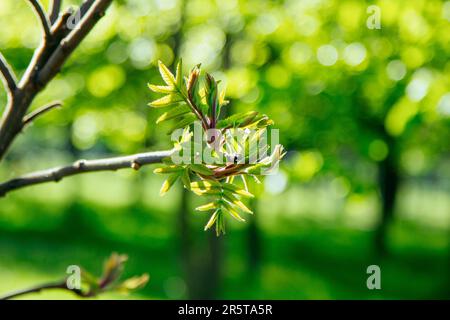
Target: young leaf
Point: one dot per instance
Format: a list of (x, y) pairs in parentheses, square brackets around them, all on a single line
[(212, 220), (256, 169), (229, 209), (186, 179), (206, 187), (220, 224), (207, 207), (206, 184), (212, 192), (173, 113), (237, 190), (168, 169), (167, 76), (166, 100), (202, 169), (264, 123), (244, 181), (133, 283), (211, 96), (236, 119), (192, 82), (179, 74), (222, 101), (170, 181), (161, 89), (235, 201)]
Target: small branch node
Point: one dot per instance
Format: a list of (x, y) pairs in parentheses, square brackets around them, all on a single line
[(136, 165), (80, 164), (56, 177)]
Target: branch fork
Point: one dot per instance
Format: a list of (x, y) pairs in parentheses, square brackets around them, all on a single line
[(57, 45)]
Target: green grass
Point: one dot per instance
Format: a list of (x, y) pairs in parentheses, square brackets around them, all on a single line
[(304, 261)]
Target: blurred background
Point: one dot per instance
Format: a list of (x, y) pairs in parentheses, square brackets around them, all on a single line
[(364, 114)]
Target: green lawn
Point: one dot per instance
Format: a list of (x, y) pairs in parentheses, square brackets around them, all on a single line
[(302, 260)]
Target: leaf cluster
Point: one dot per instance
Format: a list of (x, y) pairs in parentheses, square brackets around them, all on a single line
[(187, 101)]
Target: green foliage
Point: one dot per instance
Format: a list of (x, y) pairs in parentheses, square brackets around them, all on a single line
[(187, 102)]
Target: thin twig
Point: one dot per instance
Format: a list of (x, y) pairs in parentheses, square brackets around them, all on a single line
[(38, 112), (54, 11), (83, 166), (42, 16), (8, 75), (54, 285)]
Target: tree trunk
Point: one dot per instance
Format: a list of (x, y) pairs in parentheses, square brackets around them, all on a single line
[(185, 243), (212, 272), (389, 180), (184, 232), (210, 282), (253, 243)]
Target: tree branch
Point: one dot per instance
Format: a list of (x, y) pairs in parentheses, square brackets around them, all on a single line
[(9, 79), (68, 44), (54, 11), (38, 112), (83, 166), (42, 16), (85, 7), (45, 64)]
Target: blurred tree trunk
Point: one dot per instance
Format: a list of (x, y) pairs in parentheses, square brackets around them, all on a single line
[(185, 243), (447, 287), (389, 177), (254, 242), (70, 147), (389, 181), (214, 266), (184, 230), (205, 284), (211, 281)]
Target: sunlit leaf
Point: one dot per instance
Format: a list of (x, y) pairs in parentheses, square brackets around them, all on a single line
[(212, 220), (237, 190), (170, 181), (166, 100), (207, 207), (167, 76), (179, 74), (229, 209), (161, 89), (168, 169), (235, 201), (133, 283), (206, 184)]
